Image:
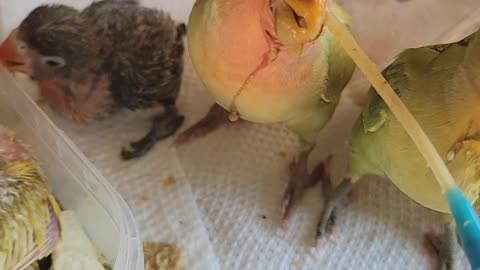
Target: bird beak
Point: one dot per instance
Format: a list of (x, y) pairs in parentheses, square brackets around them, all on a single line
[(12, 57), (300, 21)]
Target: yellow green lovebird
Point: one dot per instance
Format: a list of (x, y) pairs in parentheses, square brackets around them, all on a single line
[(29, 223), (440, 85), (269, 61)]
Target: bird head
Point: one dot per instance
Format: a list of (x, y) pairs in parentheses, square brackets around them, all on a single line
[(51, 42)]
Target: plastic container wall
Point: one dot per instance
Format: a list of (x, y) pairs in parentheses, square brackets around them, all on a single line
[(104, 215), (466, 26)]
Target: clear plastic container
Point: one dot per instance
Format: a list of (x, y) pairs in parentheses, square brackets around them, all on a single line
[(105, 216)]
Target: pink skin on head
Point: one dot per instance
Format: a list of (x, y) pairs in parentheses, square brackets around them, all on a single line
[(85, 102), (52, 92), (10, 148)]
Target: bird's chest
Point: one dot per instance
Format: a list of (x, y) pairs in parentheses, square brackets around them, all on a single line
[(450, 122), (244, 72)]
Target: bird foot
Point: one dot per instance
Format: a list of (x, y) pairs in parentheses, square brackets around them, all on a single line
[(443, 247), (333, 197), (215, 118), (163, 126), (299, 181)]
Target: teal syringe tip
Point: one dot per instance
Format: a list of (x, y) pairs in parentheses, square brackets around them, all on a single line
[(468, 225)]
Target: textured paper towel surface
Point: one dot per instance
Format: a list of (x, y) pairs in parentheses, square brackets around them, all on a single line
[(223, 209)]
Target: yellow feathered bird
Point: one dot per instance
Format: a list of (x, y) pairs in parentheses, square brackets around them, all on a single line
[(29, 224), (270, 61), (440, 85)]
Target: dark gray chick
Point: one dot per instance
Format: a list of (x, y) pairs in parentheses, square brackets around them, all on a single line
[(112, 55)]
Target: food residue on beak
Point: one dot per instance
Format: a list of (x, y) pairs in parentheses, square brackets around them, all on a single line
[(299, 22)]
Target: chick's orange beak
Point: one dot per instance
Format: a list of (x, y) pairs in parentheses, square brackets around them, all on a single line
[(13, 58), (300, 21)]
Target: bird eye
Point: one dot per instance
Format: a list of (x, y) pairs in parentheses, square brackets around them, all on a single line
[(53, 61)]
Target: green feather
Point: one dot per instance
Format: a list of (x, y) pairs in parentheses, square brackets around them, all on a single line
[(440, 86)]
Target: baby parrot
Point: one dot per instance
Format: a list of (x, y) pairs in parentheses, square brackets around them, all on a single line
[(440, 85), (113, 55), (29, 223), (269, 61)]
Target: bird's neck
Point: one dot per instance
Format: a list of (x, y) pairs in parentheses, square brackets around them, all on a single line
[(238, 33)]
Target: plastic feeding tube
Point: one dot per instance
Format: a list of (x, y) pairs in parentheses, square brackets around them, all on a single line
[(466, 219)]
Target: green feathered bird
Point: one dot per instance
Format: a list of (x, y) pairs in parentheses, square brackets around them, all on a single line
[(440, 85), (269, 61), (29, 224)]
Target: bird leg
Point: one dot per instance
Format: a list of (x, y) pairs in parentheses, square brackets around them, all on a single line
[(300, 180), (215, 118), (444, 245), (163, 126), (333, 197)]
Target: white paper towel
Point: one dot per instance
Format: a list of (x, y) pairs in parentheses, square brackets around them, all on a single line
[(223, 210)]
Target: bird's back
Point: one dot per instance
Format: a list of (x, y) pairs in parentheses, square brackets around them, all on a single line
[(28, 223), (432, 82), (142, 50)]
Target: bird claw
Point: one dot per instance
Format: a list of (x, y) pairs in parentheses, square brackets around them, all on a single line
[(326, 224), (127, 155), (333, 196), (184, 137), (315, 252), (300, 180), (287, 204), (131, 154), (135, 146), (163, 126), (442, 246), (319, 242), (281, 231)]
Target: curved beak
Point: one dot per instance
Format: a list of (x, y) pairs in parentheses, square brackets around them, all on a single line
[(12, 57), (300, 21)]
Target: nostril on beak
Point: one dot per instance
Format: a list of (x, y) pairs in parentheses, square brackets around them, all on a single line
[(301, 22)]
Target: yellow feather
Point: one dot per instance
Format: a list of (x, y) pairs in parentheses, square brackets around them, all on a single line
[(28, 211)]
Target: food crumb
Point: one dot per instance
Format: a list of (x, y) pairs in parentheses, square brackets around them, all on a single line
[(162, 256), (297, 265), (170, 181), (145, 198), (282, 154), (263, 217)]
